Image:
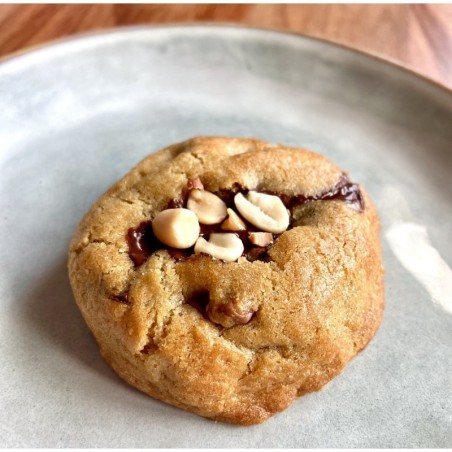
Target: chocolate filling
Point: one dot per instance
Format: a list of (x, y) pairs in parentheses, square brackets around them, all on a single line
[(142, 241), (344, 191)]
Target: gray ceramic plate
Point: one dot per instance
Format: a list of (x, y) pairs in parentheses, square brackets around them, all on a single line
[(76, 116)]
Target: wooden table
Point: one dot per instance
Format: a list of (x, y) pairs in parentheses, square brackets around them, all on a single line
[(418, 36)]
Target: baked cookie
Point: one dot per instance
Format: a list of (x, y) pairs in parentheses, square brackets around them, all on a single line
[(229, 276)]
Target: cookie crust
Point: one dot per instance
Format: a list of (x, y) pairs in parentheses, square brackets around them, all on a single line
[(317, 301)]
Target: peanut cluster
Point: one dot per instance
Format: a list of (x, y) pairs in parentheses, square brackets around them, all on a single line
[(180, 228)]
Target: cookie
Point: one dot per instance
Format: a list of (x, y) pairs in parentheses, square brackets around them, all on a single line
[(230, 276)]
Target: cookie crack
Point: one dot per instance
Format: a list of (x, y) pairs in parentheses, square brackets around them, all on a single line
[(81, 246), (153, 337), (153, 340), (139, 200), (281, 350), (198, 157)]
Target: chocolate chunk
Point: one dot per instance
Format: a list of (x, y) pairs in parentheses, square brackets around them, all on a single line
[(124, 298), (142, 242), (227, 314)]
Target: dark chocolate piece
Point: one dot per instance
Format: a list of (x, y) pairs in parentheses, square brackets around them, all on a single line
[(124, 298), (142, 242)]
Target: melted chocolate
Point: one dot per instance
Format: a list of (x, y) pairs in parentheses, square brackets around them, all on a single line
[(199, 301), (258, 253), (344, 191), (179, 255), (227, 195), (142, 241), (124, 298)]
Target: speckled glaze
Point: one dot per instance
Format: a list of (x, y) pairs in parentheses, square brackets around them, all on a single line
[(76, 116)]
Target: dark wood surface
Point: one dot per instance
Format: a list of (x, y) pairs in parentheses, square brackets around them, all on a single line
[(418, 36)]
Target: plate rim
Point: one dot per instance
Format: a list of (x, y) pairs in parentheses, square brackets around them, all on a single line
[(28, 51)]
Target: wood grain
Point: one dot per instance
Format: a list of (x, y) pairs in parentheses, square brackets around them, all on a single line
[(418, 36)]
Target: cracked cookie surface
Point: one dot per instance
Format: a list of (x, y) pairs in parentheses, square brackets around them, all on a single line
[(236, 341)]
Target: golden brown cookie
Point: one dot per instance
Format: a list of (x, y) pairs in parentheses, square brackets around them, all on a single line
[(239, 340)]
